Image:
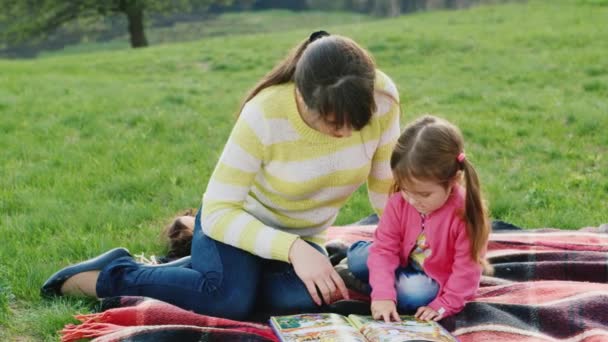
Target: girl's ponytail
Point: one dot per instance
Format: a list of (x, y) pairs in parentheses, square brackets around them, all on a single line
[(476, 216)]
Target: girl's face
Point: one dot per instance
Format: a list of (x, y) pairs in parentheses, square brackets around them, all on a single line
[(425, 196)]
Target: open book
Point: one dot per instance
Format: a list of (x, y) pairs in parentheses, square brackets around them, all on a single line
[(334, 327)]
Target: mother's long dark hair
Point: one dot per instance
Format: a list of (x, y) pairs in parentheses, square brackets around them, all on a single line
[(333, 74)]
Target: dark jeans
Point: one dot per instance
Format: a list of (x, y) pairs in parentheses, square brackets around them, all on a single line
[(224, 281)]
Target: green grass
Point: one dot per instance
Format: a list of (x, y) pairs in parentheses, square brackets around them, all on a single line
[(101, 149)]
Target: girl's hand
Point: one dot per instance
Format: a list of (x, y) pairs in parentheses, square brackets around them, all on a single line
[(425, 313), (386, 310), (315, 270)]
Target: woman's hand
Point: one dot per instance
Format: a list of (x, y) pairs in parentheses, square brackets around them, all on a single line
[(386, 310), (425, 313), (315, 270)]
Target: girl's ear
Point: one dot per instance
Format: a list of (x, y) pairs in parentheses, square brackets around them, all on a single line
[(457, 179)]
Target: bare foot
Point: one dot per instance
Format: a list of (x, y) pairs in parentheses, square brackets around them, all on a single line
[(82, 284)]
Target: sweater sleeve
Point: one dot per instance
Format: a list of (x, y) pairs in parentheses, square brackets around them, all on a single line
[(224, 217), (463, 281), (380, 178), (384, 253)]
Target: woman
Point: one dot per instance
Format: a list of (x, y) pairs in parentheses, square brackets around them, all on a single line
[(315, 128)]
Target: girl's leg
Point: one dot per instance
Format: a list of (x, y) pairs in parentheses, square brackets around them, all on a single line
[(223, 280), (356, 257), (414, 289)]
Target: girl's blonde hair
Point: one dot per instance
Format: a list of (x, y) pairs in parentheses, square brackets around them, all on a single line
[(432, 149)]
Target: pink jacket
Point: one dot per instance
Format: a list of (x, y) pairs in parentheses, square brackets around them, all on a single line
[(450, 263)]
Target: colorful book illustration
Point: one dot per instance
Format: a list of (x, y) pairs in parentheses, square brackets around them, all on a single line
[(330, 327)]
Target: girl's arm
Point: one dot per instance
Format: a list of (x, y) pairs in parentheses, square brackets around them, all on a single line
[(464, 280), (224, 218), (384, 254)]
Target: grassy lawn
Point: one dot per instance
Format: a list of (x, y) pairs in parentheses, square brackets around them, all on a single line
[(100, 149)]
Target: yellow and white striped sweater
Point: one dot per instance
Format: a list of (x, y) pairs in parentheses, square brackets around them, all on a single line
[(278, 179)]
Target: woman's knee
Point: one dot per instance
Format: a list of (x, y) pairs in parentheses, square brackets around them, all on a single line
[(240, 305), (299, 302), (227, 300), (282, 291), (415, 290)]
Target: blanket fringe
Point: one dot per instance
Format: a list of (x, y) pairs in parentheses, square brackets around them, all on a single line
[(72, 332), (94, 317)]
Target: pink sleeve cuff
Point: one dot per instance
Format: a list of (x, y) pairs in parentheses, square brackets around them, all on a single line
[(435, 305), (384, 295)]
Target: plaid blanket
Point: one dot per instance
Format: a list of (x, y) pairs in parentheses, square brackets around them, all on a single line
[(144, 319), (548, 285)]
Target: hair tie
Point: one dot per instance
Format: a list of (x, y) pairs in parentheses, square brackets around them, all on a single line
[(316, 35), (461, 157)]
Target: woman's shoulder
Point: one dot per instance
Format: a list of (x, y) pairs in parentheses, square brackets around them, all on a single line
[(386, 96), (273, 94), (271, 101), (385, 87)]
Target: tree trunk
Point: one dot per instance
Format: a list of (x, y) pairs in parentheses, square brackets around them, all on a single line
[(409, 6), (394, 8), (135, 16), (387, 8)]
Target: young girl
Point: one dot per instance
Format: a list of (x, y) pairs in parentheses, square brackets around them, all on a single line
[(429, 246)]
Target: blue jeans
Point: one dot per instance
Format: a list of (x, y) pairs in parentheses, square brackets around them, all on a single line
[(414, 287), (224, 281)]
